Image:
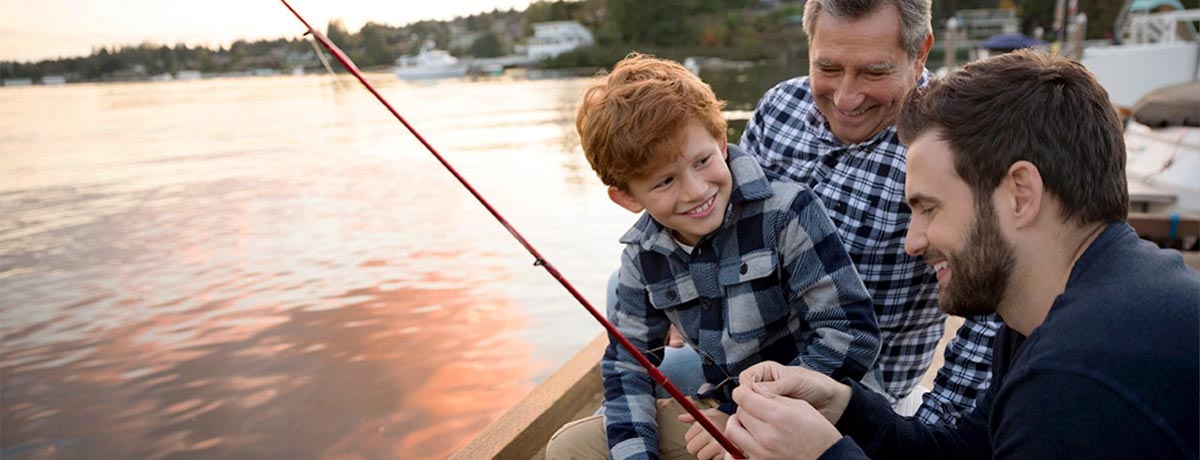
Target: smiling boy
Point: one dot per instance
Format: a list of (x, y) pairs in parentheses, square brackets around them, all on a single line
[(747, 269)]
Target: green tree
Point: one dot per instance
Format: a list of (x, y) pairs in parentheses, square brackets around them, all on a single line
[(487, 45), (337, 33), (659, 23), (375, 48)]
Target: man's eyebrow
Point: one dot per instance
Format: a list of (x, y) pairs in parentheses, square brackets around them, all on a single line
[(917, 199), (825, 62), (881, 67)]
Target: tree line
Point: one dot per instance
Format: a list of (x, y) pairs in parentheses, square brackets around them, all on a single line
[(735, 29)]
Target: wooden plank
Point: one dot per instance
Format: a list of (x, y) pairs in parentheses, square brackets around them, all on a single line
[(523, 431), (1158, 226), (1158, 229)]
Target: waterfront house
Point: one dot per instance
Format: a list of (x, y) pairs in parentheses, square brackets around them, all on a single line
[(551, 39)]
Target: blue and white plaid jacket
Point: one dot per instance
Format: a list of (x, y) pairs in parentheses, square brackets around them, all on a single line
[(862, 186), (773, 282)]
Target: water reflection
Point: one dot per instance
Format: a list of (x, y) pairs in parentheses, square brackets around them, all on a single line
[(367, 379), (272, 268)]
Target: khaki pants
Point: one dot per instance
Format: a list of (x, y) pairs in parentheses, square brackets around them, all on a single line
[(584, 439)]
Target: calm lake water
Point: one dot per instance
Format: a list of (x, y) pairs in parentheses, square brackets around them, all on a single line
[(264, 268)]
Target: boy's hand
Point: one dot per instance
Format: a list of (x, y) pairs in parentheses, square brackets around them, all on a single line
[(699, 442), (674, 338)]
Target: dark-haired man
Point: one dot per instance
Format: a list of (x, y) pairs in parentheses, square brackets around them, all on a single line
[(1016, 178)]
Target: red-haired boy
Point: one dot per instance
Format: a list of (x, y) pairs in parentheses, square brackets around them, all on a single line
[(747, 269)]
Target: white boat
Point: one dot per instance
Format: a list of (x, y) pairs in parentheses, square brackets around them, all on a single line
[(430, 64), (1153, 75), (1163, 144), (1156, 50)]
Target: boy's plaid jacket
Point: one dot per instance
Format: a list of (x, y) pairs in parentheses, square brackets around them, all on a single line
[(773, 282)]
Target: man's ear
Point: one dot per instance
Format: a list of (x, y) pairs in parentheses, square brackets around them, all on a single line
[(624, 199), (1023, 183), (923, 55)]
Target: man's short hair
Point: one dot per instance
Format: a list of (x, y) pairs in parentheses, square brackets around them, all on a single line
[(629, 118), (1028, 106), (915, 18)]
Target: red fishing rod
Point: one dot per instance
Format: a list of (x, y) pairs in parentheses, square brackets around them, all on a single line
[(538, 259)]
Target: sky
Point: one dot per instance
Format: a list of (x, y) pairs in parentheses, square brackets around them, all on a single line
[(33, 30)]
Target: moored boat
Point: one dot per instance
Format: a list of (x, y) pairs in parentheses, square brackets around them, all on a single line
[(429, 64)]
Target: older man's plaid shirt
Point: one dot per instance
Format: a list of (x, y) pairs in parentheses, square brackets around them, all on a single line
[(772, 283), (862, 186)]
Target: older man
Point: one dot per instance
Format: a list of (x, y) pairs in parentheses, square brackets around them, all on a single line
[(834, 131), (1016, 175)]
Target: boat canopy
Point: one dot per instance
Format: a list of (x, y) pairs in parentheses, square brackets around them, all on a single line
[(1140, 6), (1175, 105), (1009, 42)]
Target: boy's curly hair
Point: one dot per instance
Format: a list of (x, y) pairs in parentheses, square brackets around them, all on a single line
[(629, 118)]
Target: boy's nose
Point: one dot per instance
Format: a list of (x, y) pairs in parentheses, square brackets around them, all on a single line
[(695, 188)]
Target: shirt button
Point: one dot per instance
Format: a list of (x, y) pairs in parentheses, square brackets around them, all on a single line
[(708, 360), (743, 269), (671, 295)]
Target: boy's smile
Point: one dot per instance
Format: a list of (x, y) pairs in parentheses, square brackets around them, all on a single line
[(688, 195)]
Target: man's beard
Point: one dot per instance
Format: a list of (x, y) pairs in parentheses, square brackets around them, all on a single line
[(981, 270)]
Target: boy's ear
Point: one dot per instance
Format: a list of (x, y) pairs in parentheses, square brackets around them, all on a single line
[(725, 149), (624, 199)]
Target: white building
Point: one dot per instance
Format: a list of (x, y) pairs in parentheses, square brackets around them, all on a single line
[(551, 39), (980, 24)]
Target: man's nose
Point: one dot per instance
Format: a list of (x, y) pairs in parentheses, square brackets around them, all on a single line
[(915, 242), (849, 95)]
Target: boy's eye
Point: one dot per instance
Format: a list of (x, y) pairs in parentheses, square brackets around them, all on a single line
[(704, 161), (664, 182)]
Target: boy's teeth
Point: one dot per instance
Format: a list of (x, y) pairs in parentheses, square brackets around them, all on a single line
[(703, 207)]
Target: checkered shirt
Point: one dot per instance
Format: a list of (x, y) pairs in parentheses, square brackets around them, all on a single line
[(862, 187), (773, 282)]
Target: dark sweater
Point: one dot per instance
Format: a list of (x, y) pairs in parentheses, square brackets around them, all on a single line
[(1113, 372)]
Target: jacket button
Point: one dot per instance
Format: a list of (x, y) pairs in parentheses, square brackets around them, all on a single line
[(704, 304), (708, 360), (671, 295), (743, 269)]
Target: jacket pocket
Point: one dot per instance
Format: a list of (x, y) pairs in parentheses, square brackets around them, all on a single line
[(679, 300), (754, 295)]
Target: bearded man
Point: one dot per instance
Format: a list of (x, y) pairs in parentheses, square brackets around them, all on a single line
[(1016, 180)]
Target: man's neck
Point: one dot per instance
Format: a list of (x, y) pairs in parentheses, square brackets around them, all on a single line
[(1041, 275)]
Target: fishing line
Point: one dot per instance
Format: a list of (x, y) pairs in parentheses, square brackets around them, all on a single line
[(538, 259)]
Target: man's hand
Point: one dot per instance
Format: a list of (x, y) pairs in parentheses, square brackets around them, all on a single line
[(820, 391), (699, 443), (770, 426)]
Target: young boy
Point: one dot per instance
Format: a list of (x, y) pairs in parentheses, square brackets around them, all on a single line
[(748, 270)]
